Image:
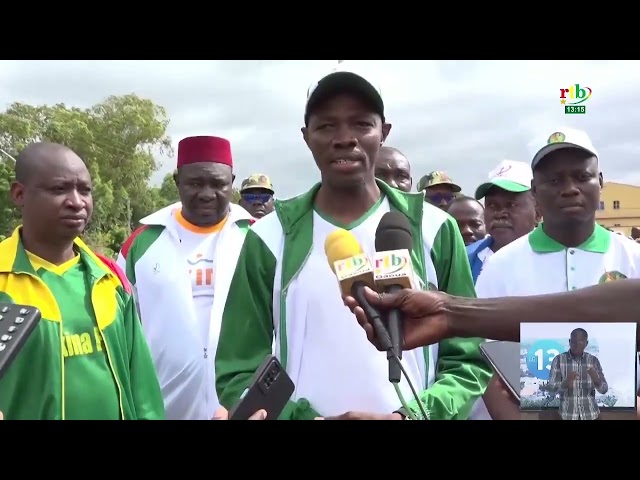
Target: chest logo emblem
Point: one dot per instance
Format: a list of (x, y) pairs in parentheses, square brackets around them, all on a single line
[(611, 276)]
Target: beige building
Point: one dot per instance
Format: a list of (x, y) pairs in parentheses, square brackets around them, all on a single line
[(619, 207)]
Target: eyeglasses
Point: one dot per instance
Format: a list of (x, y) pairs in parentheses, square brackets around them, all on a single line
[(439, 197), (256, 197)]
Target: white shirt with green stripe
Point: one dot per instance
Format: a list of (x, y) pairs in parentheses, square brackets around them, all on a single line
[(536, 264), (283, 290), (181, 329)]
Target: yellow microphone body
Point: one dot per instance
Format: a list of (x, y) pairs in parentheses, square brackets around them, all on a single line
[(347, 260), (354, 271)]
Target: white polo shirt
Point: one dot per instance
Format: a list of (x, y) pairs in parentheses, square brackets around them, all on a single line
[(536, 264)]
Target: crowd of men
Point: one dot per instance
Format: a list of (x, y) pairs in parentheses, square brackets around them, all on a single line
[(205, 289)]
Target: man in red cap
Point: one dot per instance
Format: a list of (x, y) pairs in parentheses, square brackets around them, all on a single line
[(180, 263)]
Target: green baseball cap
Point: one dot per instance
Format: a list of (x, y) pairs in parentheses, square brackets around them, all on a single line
[(508, 175)]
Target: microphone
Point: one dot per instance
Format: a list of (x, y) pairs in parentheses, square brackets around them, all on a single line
[(393, 272), (354, 272)]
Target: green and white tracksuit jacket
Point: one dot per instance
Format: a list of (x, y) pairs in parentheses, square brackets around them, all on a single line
[(284, 298)]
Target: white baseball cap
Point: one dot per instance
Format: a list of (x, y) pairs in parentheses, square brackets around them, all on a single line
[(563, 137), (343, 79), (508, 175)]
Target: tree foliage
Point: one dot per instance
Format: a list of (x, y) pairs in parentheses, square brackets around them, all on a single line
[(235, 196), (118, 138)]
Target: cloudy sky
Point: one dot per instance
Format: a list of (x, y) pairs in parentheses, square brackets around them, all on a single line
[(463, 117)]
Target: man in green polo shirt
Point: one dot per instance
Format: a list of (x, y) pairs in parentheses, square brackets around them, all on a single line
[(569, 250), (510, 212)]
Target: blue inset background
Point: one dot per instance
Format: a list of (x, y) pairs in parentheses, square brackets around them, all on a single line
[(614, 344)]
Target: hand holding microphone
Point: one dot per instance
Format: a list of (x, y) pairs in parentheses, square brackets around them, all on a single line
[(357, 279), (425, 319), (355, 273), (393, 272)]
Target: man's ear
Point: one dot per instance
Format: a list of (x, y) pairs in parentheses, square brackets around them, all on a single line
[(536, 207), (538, 215), (17, 194), (305, 135), (233, 178), (175, 177), (601, 180), (386, 128)]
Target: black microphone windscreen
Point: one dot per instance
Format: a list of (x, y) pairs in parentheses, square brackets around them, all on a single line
[(393, 232)]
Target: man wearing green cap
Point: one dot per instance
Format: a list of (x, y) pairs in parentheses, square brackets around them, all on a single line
[(509, 211), (438, 188), (256, 195)]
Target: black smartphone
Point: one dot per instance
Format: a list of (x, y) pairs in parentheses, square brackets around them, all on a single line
[(504, 358), (17, 322), (269, 390)]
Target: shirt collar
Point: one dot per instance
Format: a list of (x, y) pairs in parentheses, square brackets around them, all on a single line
[(571, 355), (598, 242)]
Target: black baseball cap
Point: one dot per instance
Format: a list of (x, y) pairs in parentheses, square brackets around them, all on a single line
[(343, 81)]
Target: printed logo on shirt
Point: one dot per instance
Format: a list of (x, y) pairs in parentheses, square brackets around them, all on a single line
[(77, 344), (611, 276), (201, 273)]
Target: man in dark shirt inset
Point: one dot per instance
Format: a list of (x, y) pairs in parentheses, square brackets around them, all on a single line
[(577, 375)]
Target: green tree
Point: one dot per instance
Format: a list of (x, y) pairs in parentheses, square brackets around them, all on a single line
[(168, 190), (235, 196), (117, 138), (9, 216)]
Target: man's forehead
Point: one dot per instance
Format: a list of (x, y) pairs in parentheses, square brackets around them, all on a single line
[(466, 206), (53, 156), (59, 165), (206, 169), (392, 160), (391, 166)]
